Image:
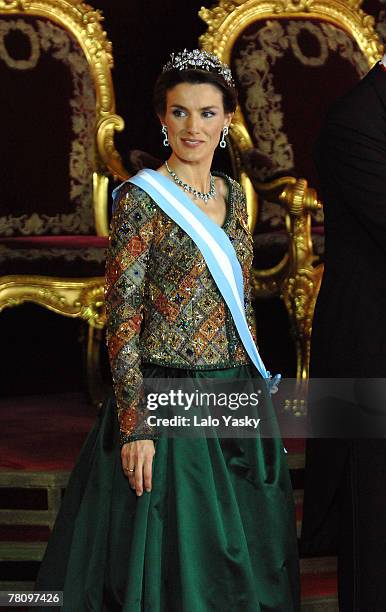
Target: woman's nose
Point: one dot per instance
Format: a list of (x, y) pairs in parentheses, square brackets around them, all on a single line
[(193, 123)]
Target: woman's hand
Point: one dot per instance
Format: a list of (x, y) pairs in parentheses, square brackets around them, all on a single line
[(138, 456)]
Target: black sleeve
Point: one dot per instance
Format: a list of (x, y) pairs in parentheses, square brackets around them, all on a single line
[(351, 161)]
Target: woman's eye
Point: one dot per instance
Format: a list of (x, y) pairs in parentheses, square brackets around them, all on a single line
[(178, 113), (208, 114)]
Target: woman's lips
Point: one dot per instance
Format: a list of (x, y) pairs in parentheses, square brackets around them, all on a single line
[(191, 142)]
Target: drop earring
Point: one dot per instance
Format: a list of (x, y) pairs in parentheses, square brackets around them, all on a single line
[(225, 131), (165, 133)]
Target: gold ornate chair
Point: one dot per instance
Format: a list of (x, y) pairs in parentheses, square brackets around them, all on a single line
[(291, 60), (57, 152), (377, 9)]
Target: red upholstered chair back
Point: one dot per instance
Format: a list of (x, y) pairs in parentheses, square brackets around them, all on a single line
[(291, 61), (47, 146), (57, 149), (288, 72)]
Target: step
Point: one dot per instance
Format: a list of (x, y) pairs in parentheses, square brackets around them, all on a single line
[(22, 551), (326, 604)]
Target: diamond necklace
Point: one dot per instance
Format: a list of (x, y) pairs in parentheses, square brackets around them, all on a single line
[(197, 194)]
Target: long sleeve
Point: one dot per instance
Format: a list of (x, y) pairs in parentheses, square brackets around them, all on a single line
[(127, 258)]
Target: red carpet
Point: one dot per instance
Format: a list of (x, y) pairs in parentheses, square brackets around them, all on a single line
[(319, 585), (43, 433)]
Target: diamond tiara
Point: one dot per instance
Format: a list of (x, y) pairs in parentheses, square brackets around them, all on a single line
[(203, 60)]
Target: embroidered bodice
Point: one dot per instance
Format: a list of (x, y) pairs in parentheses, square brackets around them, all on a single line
[(163, 306)]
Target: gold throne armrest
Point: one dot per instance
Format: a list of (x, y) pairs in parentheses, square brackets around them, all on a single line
[(296, 278)]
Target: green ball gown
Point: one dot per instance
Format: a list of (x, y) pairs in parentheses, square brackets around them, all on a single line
[(216, 533)]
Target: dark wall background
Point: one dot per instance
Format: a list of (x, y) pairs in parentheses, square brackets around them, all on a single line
[(42, 352)]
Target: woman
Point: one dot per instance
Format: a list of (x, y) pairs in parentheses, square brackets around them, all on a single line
[(150, 522)]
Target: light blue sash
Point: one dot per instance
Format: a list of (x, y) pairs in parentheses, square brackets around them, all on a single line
[(216, 248)]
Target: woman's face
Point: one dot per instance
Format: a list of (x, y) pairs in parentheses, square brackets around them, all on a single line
[(195, 118)]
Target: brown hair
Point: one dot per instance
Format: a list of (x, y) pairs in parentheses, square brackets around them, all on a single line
[(171, 78)]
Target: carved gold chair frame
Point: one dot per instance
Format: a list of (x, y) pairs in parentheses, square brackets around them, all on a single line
[(295, 277), (77, 297)]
